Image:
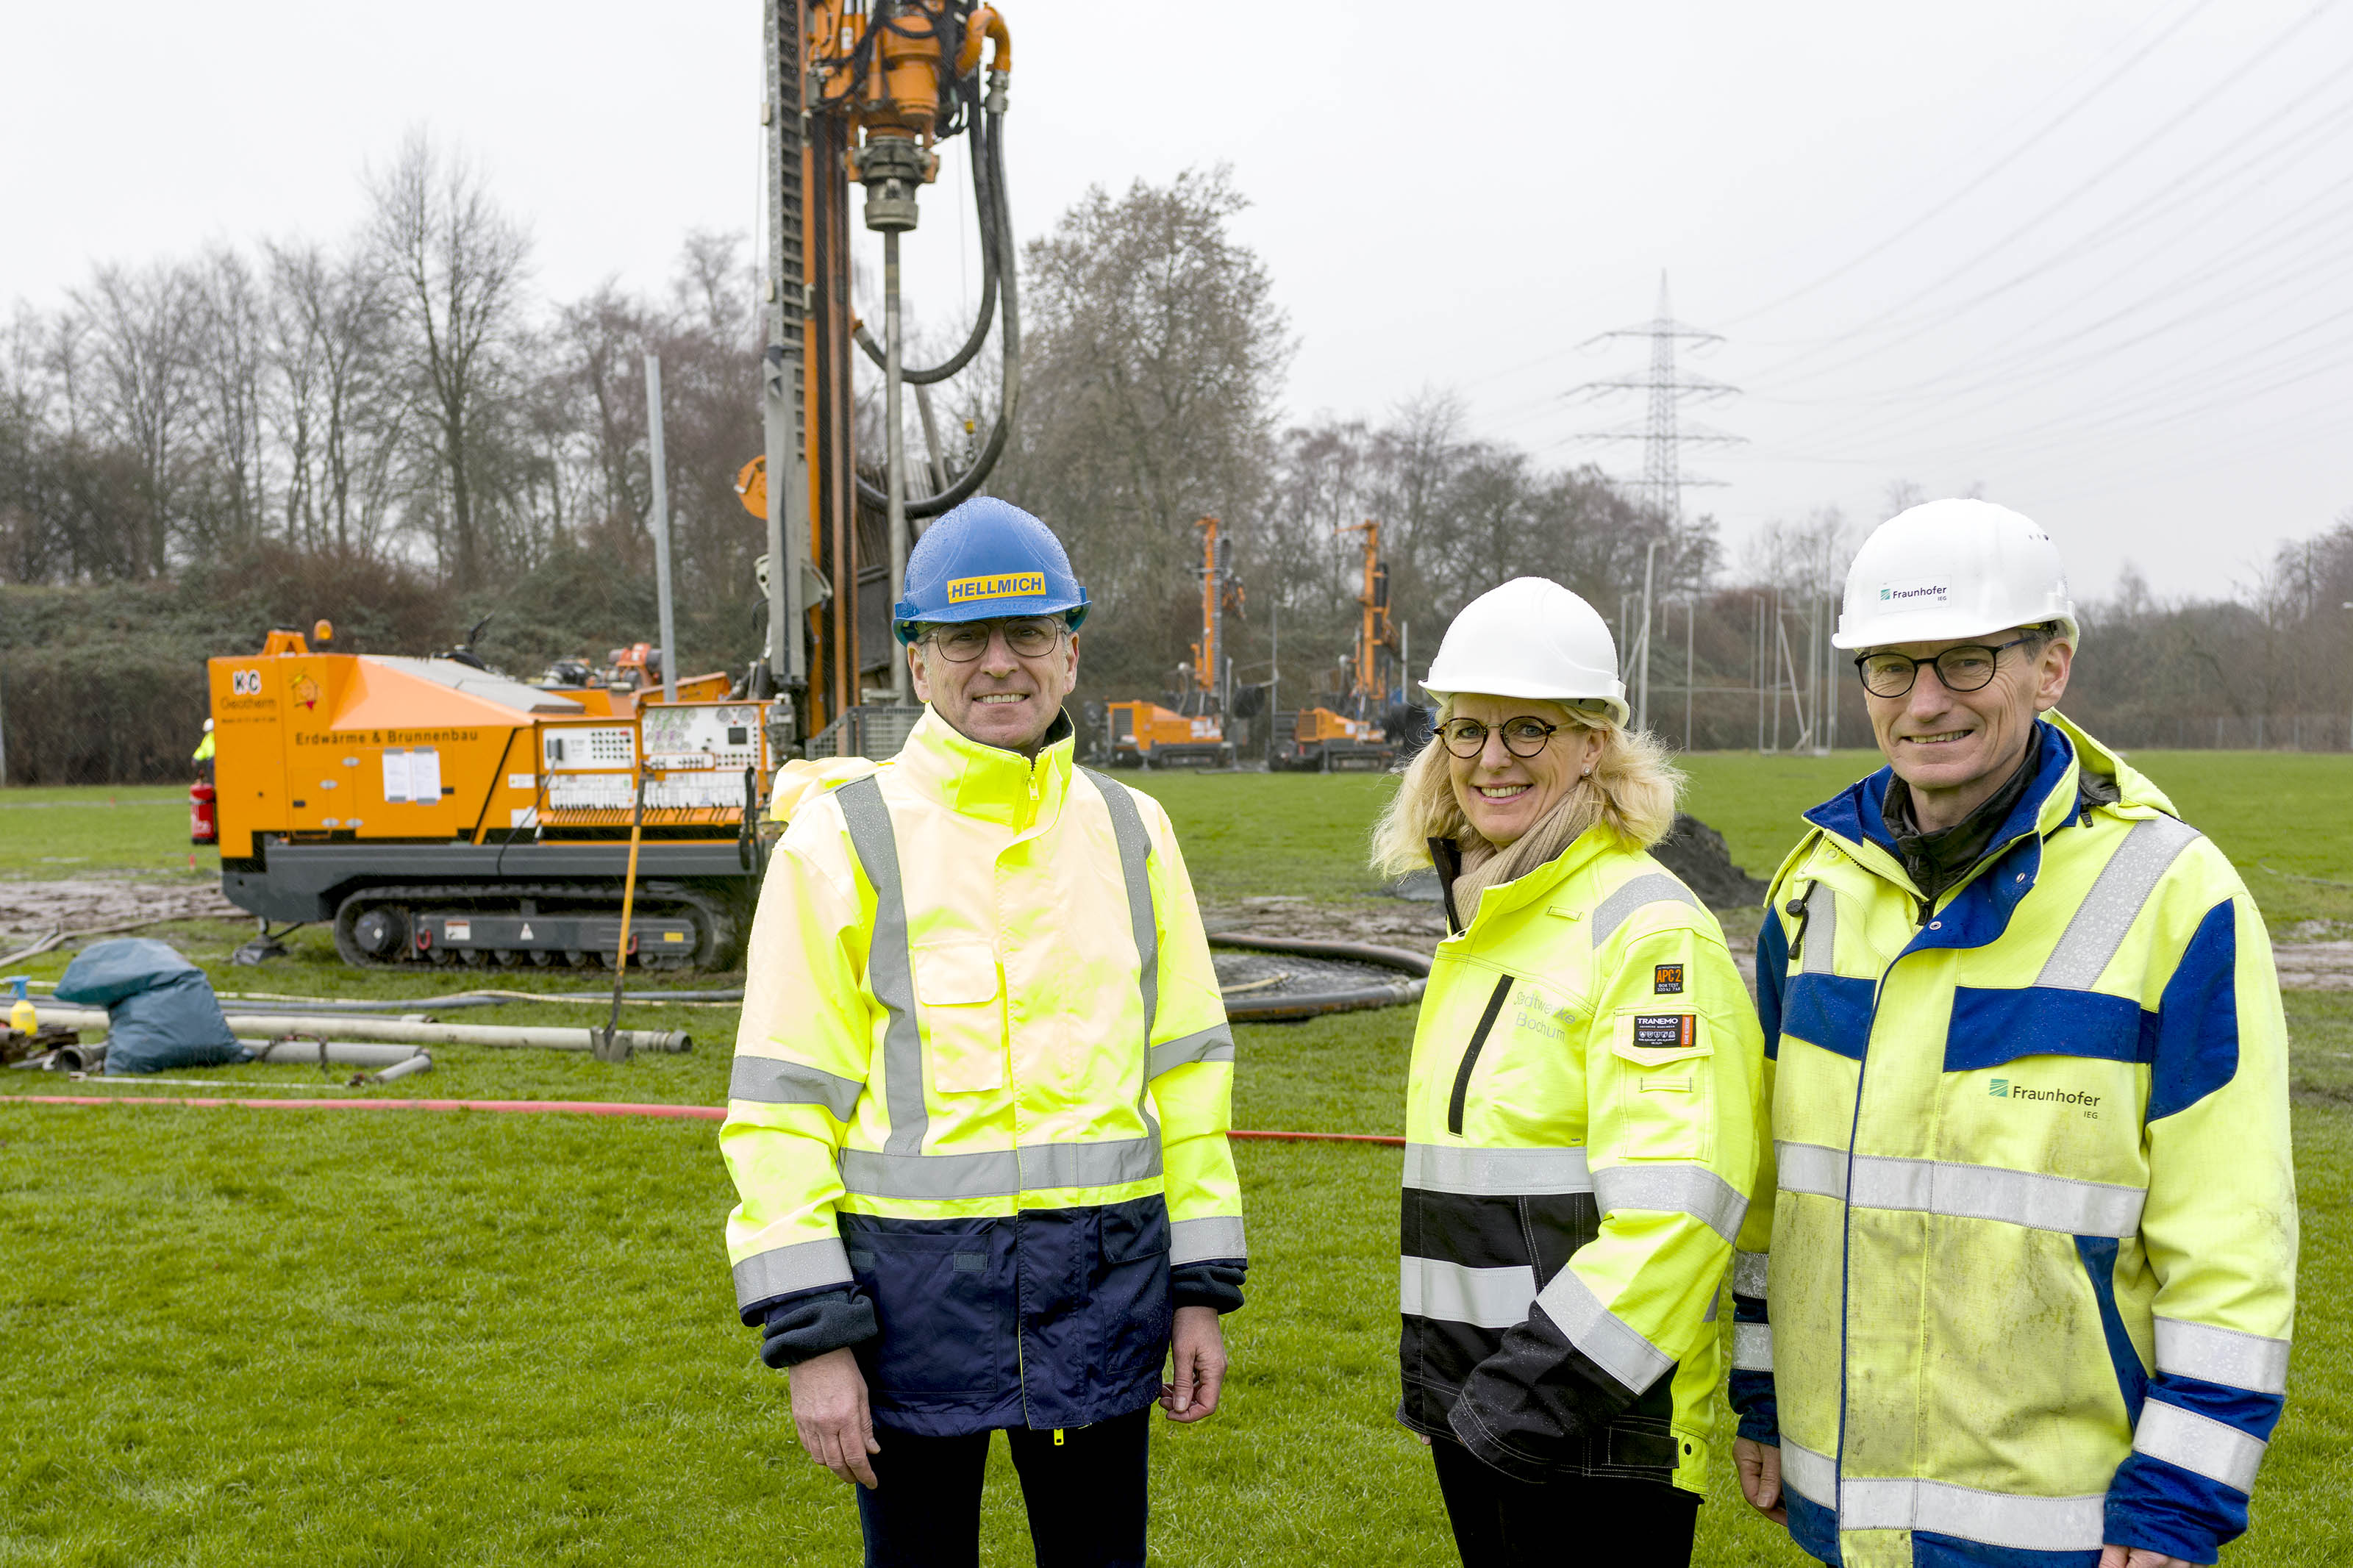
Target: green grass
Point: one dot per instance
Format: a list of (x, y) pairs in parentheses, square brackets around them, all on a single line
[(290, 1336), (2279, 815), (1272, 834), (99, 830)]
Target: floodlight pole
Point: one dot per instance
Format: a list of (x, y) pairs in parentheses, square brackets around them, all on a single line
[(661, 525)]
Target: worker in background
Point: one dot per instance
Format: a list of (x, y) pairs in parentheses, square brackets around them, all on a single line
[(1583, 1111), (202, 755), (2033, 1251), (978, 1112)]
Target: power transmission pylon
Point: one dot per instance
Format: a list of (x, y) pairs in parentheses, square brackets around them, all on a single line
[(1663, 435)]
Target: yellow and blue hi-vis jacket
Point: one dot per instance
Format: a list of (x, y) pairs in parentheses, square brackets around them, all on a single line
[(2034, 1246), (1584, 1117), (983, 1081)]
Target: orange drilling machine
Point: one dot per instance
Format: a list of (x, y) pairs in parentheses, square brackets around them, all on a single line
[(1191, 731), (438, 812), (863, 92), (1349, 731)]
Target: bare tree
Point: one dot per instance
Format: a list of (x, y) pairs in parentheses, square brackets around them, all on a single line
[(140, 324), (1155, 356), (456, 265)]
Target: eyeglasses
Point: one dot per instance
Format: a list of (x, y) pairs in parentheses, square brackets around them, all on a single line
[(1968, 668), (1466, 737), (968, 640)]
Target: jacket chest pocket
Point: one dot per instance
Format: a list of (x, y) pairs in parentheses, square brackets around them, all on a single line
[(1658, 1094), (963, 1011)]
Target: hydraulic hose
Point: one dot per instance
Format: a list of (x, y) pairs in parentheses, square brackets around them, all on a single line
[(983, 209), (1009, 306)]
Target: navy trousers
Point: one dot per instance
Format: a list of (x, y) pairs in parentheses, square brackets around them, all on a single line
[(1084, 1494), (1501, 1522)]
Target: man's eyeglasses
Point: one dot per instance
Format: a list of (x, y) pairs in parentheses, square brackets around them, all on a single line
[(1466, 737), (1968, 668), (968, 640)]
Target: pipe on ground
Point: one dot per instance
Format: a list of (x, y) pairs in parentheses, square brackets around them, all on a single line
[(1282, 1008), (402, 1031)]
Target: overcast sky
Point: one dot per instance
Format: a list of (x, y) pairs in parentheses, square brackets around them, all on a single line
[(2095, 258)]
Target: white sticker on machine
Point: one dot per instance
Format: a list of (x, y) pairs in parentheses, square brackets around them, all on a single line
[(457, 931)]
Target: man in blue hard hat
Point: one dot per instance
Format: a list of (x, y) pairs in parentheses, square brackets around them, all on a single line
[(981, 1090)]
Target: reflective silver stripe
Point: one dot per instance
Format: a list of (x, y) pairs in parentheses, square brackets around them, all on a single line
[(1601, 1334), (1693, 1190), (1748, 1271), (771, 1081), (1988, 1192), (2222, 1355), (1496, 1172), (780, 1270), (1812, 1476), (1000, 1172), (1215, 1044), (1200, 1240), (2198, 1444), (1822, 931), (1964, 1192), (873, 1173), (1651, 888), (1993, 1518), (1489, 1298), (1135, 851), (1812, 1168), (2117, 895), (890, 965), (1752, 1347), (1106, 1164), (1712, 1303)]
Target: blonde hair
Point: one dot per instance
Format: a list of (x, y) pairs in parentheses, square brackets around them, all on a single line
[(1631, 791)]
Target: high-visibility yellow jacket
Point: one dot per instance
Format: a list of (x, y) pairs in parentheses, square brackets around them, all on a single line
[(1584, 1116), (2032, 1260), (984, 1079)]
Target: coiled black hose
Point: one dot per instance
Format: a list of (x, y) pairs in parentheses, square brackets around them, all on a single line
[(1010, 308)]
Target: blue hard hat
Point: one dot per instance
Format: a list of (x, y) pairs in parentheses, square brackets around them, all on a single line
[(983, 559)]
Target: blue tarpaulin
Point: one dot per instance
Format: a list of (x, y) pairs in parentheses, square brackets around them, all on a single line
[(160, 1008)]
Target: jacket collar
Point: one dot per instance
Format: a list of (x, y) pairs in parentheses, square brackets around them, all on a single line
[(988, 781), (1977, 910), (1506, 897), (1857, 814)]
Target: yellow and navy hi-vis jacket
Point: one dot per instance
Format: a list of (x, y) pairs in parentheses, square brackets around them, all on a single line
[(1584, 1119), (2033, 1249), (983, 1077)]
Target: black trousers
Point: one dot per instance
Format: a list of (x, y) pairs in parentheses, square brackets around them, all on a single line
[(1499, 1522), (1084, 1493)]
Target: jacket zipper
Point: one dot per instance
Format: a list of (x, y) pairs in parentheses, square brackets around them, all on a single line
[(1470, 1056)]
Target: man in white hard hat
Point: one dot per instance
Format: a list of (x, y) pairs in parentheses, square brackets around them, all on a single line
[(2032, 1274)]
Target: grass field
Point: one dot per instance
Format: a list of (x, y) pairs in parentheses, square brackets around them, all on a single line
[(290, 1336)]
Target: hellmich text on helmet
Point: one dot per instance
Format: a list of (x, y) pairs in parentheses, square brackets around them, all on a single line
[(1005, 585)]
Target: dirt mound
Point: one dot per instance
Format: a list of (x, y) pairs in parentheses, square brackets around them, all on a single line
[(1695, 852)]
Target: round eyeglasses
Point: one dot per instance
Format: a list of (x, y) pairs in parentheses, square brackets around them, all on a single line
[(968, 640), (1967, 668), (1466, 737)]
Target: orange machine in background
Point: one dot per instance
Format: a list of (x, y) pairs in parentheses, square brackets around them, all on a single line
[(437, 812), (1349, 731), (1191, 732)]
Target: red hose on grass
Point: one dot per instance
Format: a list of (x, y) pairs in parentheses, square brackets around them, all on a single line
[(580, 1107)]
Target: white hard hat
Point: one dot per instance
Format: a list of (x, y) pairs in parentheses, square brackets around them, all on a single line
[(1953, 569), (208, 724), (1531, 638)]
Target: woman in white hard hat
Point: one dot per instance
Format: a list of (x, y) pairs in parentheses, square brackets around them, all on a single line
[(1583, 1110)]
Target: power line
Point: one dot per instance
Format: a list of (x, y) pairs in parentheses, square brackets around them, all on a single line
[(2032, 140), (1895, 312), (2176, 193)]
